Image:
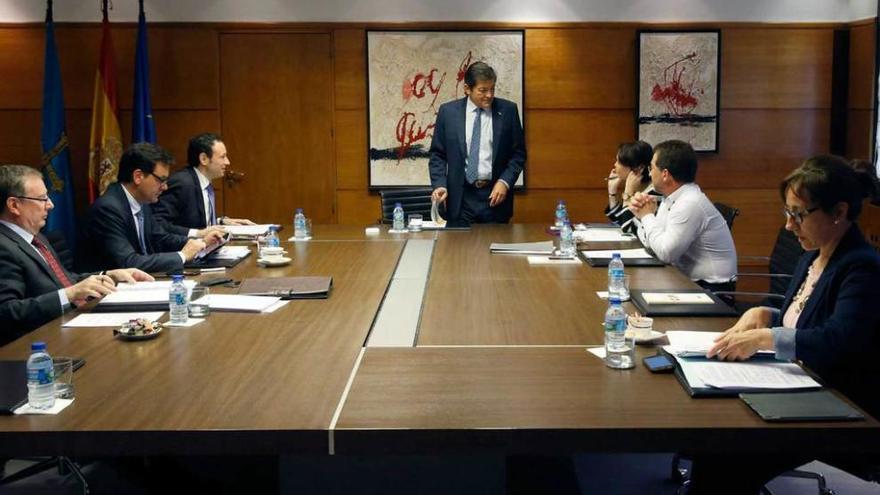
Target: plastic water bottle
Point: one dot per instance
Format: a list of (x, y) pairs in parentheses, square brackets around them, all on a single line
[(616, 285), (566, 240), (299, 224), (618, 350), (271, 238), (561, 214), (40, 377), (178, 300), (398, 218)]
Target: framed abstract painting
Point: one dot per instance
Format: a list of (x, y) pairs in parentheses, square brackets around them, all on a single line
[(409, 75), (678, 78)]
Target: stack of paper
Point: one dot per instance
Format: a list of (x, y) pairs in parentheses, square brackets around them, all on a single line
[(639, 253), (248, 230), (231, 302), (758, 374), (686, 343), (601, 235), (86, 320), (544, 247), (140, 296), (677, 298)]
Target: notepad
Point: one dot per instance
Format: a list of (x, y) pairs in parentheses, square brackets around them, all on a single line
[(232, 302), (677, 298), (639, 253), (593, 234), (543, 247), (248, 230), (691, 343)]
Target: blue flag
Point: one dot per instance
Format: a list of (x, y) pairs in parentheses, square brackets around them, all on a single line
[(143, 129), (53, 138)]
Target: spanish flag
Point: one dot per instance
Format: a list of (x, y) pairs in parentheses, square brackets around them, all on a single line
[(105, 145)]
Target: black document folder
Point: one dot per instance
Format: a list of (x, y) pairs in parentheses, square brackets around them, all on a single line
[(13, 384), (212, 261), (641, 262), (815, 405), (717, 308)]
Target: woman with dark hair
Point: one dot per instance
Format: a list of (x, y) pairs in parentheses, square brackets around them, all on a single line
[(629, 175), (829, 319)]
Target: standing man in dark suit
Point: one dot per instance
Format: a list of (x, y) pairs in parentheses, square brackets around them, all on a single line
[(34, 287), (121, 228), (188, 207), (478, 152)]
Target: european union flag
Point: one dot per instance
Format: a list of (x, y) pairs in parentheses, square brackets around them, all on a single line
[(143, 129), (53, 137)]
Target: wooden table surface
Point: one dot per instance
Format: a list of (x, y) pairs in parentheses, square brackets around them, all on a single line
[(500, 364)]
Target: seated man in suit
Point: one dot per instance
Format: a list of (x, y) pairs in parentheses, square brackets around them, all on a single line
[(477, 153), (687, 230), (188, 206), (121, 228), (35, 287)]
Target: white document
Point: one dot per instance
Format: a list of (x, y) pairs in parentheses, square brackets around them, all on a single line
[(275, 307), (548, 260), (110, 319), (60, 405), (232, 252), (690, 343), (677, 298), (233, 302), (627, 254), (143, 292), (601, 235), (190, 322), (158, 284), (543, 247), (753, 374), (247, 230), (599, 352)]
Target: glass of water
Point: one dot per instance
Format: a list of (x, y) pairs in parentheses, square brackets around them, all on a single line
[(198, 302), (415, 222)]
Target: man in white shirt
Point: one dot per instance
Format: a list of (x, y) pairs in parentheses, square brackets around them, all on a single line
[(188, 207), (686, 230), (36, 287)]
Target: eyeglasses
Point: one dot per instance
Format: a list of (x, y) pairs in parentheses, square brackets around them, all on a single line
[(798, 216), (43, 200), (162, 180)]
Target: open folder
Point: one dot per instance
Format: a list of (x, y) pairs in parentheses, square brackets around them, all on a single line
[(288, 287)]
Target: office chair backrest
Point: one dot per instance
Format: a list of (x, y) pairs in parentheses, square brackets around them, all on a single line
[(783, 260), (728, 213), (412, 201), (59, 243)]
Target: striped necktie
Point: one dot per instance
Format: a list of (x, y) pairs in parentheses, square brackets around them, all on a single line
[(52, 261), (212, 213)]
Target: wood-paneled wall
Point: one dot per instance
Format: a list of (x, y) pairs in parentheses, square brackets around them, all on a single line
[(580, 104)]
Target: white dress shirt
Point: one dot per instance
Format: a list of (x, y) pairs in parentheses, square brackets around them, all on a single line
[(484, 171), (688, 232), (29, 238), (135, 209), (203, 185)]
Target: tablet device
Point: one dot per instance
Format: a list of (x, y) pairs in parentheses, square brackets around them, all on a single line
[(816, 405)]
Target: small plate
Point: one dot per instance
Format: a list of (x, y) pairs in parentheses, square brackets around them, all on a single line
[(141, 336), (280, 261), (655, 335)]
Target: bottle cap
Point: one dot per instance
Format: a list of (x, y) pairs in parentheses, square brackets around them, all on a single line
[(177, 277), (397, 205), (38, 346), (615, 255)]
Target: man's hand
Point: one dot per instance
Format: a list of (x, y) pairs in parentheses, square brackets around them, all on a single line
[(130, 275), (192, 247), (642, 204), (439, 195), (96, 286), (208, 230), (499, 192), (213, 237), (237, 221)]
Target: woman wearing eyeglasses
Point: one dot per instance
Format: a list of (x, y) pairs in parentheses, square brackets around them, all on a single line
[(830, 318)]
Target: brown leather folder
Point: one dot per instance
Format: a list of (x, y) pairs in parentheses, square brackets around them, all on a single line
[(288, 287)]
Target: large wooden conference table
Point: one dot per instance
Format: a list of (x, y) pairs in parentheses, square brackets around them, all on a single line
[(499, 365)]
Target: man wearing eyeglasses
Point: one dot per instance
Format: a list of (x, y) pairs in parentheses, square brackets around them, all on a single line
[(34, 286), (686, 230), (121, 229)]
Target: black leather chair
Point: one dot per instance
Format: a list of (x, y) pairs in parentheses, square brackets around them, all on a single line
[(729, 213), (412, 201)]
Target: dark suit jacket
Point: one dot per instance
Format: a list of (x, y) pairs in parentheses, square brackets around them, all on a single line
[(449, 151), (112, 242), (181, 207), (28, 287), (838, 332)]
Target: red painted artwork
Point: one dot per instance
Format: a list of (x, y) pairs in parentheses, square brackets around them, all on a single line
[(679, 97)]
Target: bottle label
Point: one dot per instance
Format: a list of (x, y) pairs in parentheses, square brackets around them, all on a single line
[(616, 273), (180, 298), (41, 376)]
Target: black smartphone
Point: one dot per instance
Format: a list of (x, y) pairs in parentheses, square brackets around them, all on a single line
[(659, 363)]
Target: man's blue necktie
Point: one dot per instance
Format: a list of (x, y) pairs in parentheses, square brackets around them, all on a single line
[(212, 214), (473, 163), (140, 220)]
